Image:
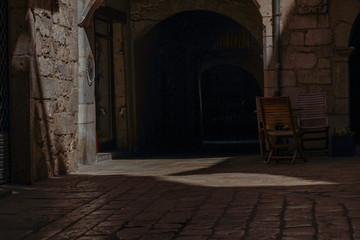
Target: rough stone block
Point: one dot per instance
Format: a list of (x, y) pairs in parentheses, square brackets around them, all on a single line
[(318, 37), (64, 123), (49, 88), (269, 92), (312, 6), (322, 76), (288, 78), (341, 34), (86, 113), (299, 61), (341, 71), (59, 34), (324, 63), (269, 79), (63, 54), (323, 21), (46, 66), (303, 22), (64, 70), (319, 76), (327, 51), (297, 39), (43, 25), (341, 106)]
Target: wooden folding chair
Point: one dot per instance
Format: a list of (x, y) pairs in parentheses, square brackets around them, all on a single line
[(279, 129), (313, 120)]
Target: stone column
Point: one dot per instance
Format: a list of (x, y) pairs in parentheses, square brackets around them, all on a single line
[(87, 113), (268, 50), (341, 86)]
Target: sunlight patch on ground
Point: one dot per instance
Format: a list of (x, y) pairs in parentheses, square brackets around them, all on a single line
[(147, 168), (165, 169), (241, 180)]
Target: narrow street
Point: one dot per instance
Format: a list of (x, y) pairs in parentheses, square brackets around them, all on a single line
[(190, 198)]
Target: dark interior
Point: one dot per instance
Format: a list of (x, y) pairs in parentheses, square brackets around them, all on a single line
[(354, 70), (171, 58)]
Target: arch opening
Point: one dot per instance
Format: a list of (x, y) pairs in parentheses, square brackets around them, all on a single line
[(172, 61), (354, 72), (228, 103)]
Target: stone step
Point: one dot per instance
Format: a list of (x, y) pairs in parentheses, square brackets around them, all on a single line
[(103, 157)]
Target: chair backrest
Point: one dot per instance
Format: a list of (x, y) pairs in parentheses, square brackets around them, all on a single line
[(312, 108), (276, 111)]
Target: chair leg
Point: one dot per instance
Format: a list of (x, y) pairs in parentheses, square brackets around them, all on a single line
[(294, 157), (299, 151), (261, 141), (269, 157), (327, 141)]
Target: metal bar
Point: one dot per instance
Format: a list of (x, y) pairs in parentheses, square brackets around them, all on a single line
[(277, 40), (4, 94)]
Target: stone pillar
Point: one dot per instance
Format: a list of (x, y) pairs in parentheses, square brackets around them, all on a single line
[(268, 50), (87, 113), (341, 108)]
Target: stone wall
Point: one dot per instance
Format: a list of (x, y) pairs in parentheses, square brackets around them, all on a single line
[(44, 70), (315, 53)]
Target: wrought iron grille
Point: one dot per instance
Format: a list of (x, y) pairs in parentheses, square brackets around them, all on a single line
[(4, 94)]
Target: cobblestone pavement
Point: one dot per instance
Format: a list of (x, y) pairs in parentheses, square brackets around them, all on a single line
[(190, 199)]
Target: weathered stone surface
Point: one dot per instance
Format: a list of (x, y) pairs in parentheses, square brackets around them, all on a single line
[(297, 39), (324, 63), (320, 76), (323, 21), (288, 78), (312, 6), (64, 123), (341, 34), (341, 69), (269, 79), (303, 22), (327, 51), (318, 37), (46, 66), (341, 106), (299, 61)]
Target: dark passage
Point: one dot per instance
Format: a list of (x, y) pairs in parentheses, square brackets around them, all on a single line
[(173, 57), (354, 70), (227, 94)]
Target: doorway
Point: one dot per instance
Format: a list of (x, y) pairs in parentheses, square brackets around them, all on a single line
[(227, 104), (104, 85), (354, 72), (169, 62)]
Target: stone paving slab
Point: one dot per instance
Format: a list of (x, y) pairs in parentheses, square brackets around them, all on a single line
[(201, 198)]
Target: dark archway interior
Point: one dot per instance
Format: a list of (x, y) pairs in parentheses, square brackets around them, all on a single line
[(354, 70), (170, 61), (227, 96)]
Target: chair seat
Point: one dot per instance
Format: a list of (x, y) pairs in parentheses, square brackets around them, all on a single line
[(324, 127), (284, 133)]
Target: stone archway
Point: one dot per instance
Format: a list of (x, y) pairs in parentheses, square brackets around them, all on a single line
[(354, 76), (342, 18), (145, 15), (167, 62)]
